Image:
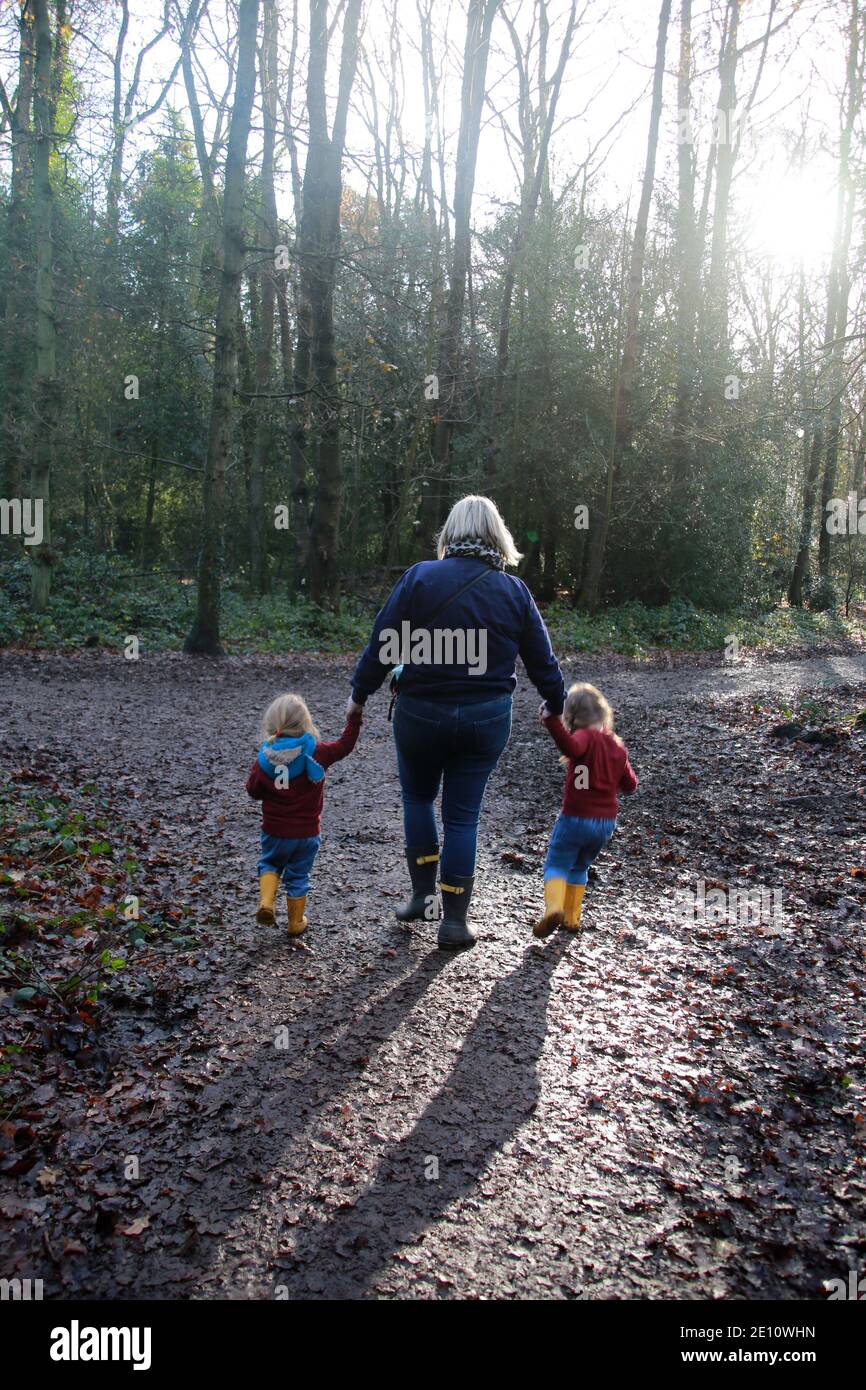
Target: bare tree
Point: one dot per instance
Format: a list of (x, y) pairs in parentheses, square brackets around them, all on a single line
[(479, 24), (18, 329), (840, 284), (731, 122), (295, 358), (124, 117), (319, 249), (622, 416), (828, 411), (536, 125), (688, 251), (204, 637), (50, 61), (267, 237)]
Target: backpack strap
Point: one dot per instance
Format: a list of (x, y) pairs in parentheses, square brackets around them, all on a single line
[(446, 603)]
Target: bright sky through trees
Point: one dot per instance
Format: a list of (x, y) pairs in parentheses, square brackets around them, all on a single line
[(781, 189), (613, 245)]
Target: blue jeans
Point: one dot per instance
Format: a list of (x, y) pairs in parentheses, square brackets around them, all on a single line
[(575, 842), (457, 746), (293, 859)]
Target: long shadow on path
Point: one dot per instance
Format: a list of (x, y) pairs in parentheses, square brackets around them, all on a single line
[(292, 1087), (490, 1094)]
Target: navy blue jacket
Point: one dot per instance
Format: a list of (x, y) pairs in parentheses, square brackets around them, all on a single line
[(498, 614)]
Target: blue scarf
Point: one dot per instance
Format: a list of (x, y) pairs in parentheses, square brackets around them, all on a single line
[(295, 755)]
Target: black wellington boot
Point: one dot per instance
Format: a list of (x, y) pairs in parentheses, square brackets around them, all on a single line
[(423, 864), (454, 933)]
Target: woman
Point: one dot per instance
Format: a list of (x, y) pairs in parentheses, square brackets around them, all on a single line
[(453, 710)]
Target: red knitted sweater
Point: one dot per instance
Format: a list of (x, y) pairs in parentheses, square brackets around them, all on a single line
[(592, 794)]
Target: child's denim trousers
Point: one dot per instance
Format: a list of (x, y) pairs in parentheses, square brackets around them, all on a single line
[(575, 842), (293, 859)]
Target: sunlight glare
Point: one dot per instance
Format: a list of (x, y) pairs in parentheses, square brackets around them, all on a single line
[(790, 218)]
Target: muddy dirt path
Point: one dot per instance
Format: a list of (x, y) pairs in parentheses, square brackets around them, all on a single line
[(655, 1109)]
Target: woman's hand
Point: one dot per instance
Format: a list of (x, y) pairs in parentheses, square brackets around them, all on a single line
[(543, 711), (352, 707)]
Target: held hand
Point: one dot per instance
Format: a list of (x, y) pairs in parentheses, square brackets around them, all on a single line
[(352, 707), (543, 711)]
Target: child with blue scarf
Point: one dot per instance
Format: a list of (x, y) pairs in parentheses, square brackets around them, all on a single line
[(288, 778)]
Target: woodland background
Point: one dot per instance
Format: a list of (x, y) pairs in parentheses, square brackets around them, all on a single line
[(258, 330), (278, 282)]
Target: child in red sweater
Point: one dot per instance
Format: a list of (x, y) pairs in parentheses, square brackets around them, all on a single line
[(598, 767), (288, 778)]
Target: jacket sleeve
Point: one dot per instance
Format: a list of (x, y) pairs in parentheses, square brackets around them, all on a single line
[(254, 783), (536, 653), (574, 745), (328, 753), (371, 670), (628, 780)]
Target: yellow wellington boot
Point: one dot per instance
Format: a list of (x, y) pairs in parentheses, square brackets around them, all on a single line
[(554, 907), (574, 905), (268, 885), (298, 923)]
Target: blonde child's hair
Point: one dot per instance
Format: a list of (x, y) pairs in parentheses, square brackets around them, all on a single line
[(287, 716), (476, 518), (585, 705)]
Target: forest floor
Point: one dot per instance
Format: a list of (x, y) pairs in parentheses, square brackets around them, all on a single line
[(654, 1108)]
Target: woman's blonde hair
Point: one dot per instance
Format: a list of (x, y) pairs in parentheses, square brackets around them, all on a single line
[(477, 519), (287, 716), (585, 705)]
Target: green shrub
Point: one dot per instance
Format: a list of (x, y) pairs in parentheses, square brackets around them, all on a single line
[(822, 595), (99, 601), (633, 630)]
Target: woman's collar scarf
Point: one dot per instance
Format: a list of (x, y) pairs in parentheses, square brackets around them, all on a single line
[(475, 550)]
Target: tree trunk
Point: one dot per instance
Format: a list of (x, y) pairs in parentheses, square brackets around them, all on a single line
[(247, 433), (17, 359), (479, 23), (688, 261), (535, 173), (319, 249), (826, 419), (811, 461), (714, 314), (716, 336), (267, 239), (623, 423), (842, 287), (47, 387), (145, 552), (296, 378), (204, 637), (210, 249)]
